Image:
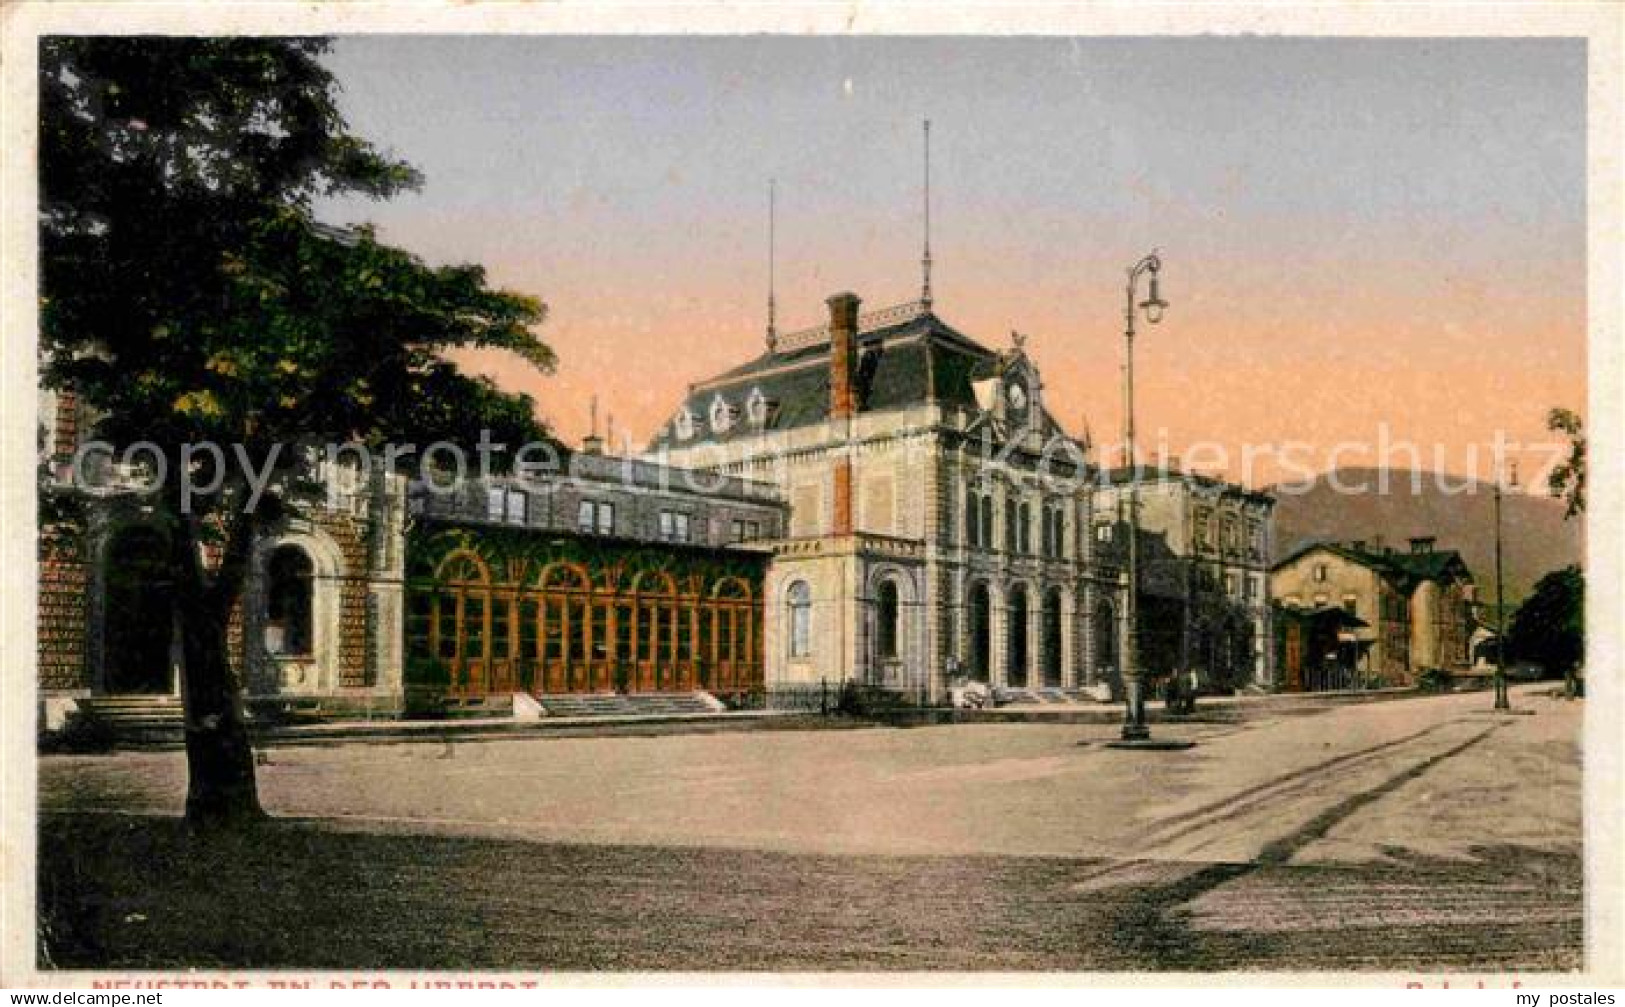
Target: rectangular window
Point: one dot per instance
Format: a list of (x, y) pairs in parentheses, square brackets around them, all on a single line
[(494, 501), (673, 526), (529, 614), (600, 631), (500, 608), (623, 631), (517, 506), (474, 628), (685, 637), (445, 619), (553, 630), (594, 516), (708, 644), (800, 631), (646, 633), (1320, 572)]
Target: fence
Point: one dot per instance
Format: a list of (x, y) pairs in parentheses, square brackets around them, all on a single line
[(827, 698)]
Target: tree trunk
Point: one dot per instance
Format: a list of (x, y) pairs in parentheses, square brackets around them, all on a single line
[(221, 788)]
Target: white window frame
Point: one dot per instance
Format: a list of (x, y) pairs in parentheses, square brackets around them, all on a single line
[(798, 598)]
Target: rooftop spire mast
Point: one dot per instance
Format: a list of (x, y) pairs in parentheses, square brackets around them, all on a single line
[(772, 227), (592, 444), (925, 261)]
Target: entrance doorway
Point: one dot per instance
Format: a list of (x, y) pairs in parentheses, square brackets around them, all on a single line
[(140, 613), (981, 632), (1017, 654), (1052, 638)]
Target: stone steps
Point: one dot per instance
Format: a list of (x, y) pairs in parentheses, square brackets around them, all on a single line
[(627, 704), (1039, 695), (143, 719)]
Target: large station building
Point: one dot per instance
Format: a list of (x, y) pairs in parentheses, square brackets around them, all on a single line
[(939, 514), (881, 500)]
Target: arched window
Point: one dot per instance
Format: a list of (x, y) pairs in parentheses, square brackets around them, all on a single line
[(886, 620), (800, 597), (288, 601)]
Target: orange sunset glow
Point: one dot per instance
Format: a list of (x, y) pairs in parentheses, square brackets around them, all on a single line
[(1357, 236)]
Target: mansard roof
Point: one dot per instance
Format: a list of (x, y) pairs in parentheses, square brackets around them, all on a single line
[(906, 356)]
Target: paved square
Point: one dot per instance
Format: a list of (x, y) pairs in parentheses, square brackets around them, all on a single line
[(1421, 833)]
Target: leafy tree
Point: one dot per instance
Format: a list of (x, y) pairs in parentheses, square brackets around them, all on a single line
[(1549, 627), (190, 297), (1568, 478)]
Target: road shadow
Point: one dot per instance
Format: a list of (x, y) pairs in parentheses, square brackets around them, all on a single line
[(125, 892)]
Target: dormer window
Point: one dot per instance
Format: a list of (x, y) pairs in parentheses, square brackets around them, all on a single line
[(722, 414), (683, 425), (756, 408)]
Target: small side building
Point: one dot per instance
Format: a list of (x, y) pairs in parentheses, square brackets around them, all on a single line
[(1416, 606)]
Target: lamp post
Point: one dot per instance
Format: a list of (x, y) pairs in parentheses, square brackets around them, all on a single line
[(1501, 700), (1135, 729)]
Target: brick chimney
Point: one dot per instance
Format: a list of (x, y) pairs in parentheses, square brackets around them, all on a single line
[(843, 361), (843, 354)]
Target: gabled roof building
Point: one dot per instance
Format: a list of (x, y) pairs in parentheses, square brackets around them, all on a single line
[(1417, 604)]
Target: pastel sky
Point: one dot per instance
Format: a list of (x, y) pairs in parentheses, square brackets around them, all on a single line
[(1355, 232)]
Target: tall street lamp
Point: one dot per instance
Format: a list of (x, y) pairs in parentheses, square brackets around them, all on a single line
[(1501, 700), (1136, 733)]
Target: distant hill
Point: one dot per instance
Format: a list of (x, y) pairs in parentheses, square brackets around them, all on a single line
[(1536, 538)]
